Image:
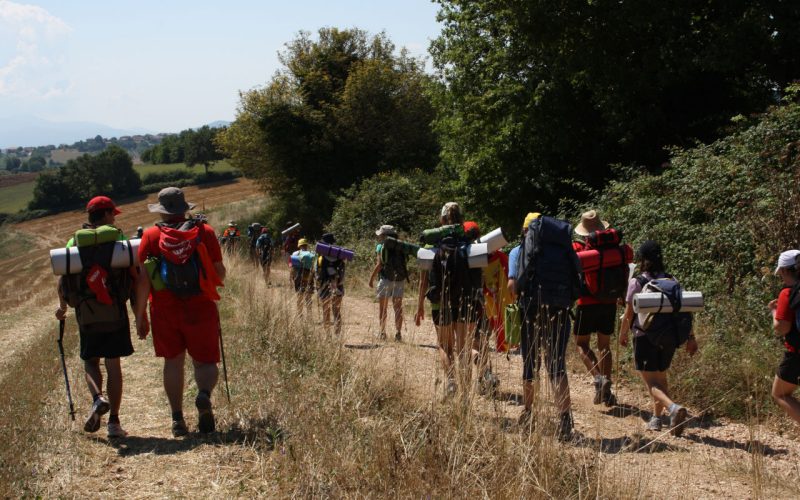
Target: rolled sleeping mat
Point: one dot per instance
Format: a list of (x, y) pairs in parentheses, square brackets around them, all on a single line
[(494, 239), (290, 229), (590, 259), (654, 302), (125, 255), (478, 255), (431, 236), (425, 259), (334, 252), (404, 246)]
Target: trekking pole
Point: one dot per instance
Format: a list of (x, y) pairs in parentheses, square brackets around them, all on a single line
[(224, 364), (64, 367)]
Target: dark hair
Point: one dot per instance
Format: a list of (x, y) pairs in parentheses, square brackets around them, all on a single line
[(650, 257), (97, 216)]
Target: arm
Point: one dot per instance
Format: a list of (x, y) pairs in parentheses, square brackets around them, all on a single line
[(142, 289), (423, 287), (625, 324), (375, 271), (219, 267), (512, 284), (61, 312)]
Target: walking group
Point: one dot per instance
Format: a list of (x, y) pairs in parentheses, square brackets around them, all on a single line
[(558, 281)]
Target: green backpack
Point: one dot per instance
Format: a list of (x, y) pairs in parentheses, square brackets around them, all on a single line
[(96, 248)]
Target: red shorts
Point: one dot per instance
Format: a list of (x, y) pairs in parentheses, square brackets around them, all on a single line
[(190, 325)]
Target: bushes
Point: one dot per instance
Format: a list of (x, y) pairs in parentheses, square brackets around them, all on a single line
[(723, 213), (156, 181)]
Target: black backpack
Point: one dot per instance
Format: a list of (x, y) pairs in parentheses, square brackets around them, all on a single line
[(548, 269), (93, 316), (666, 330), (393, 264), (452, 280)]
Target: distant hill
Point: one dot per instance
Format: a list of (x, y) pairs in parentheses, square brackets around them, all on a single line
[(31, 131), (219, 124)]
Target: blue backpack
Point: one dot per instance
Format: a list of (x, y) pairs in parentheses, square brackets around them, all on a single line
[(548, 269), (666, 330)]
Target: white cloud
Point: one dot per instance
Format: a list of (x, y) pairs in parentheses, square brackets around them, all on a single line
[(29, 71)]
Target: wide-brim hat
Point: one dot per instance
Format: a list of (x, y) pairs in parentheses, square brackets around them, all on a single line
[(171, 202), (787, 259), (386, 230), (590, 222)]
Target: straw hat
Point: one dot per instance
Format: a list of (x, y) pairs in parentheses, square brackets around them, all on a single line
[(301, 242), (590, 222)]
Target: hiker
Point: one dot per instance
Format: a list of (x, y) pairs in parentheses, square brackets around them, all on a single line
[(495, 295), (187, 259), (460, 291), (103, 324), (253, 233), (390, 268), (301, 263), (784, 322), (330, 280), (264, 249), (425, 291), (230, 236), (598, 314), (651, 360), (545, 299), (139, 232)]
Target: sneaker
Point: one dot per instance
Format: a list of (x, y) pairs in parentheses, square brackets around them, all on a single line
[(488, 383), (99, 408), (654, 424), (677, 420), (179, 428), (205, 417), (382, 335), (115, 430), (598, 395), (565, 427), (451, 389), (605, 393), (398, 337)]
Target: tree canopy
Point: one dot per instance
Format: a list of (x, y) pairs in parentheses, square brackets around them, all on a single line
[(543, 97), (344, 107)]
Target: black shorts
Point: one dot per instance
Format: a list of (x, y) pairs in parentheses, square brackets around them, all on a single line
[(465, 312), (545, 334), (649, 358), (595, 318), (436, 316), (303, 281), (789, 369), (326, 290), (106, 345)]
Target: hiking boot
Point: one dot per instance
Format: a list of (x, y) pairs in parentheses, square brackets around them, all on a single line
[(677, 419), (605, 393), (99, 408), (598, 395), (654, 424), (488, 383), (565, 427), (205, 417), (398, 337), (115, 430), (179, 428)]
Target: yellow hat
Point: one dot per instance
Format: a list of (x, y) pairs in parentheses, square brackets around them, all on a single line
[(532, 216), (301, 242)]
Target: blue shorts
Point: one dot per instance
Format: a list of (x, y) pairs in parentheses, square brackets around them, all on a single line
[(388, 288)]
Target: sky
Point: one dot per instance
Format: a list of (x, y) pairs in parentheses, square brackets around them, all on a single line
[(168, 65)]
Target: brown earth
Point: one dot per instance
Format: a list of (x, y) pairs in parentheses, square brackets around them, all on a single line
[(717, 459), (14, 179)]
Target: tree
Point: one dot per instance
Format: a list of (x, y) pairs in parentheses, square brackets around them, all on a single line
[(344, 108), (540, 94), (199, 147)]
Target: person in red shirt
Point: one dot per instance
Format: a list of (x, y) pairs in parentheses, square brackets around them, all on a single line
[(595, 316), (184, 318), (784, 323)]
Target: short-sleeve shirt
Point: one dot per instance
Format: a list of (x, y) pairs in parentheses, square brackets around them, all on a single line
[(513, 261), (149, 248), (633, 288), (783, 312)]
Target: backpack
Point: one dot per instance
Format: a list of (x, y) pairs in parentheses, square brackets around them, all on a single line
[(328, 269), (98, 293), (181, 271), (393, 264), (666, 330), (608, 283), (548, 269), (451, 277)]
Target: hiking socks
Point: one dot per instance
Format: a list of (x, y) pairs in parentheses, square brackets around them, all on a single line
[(177, 416), (113, 419)]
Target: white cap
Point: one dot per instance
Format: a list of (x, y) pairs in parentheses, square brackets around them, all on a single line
[(787, 259)]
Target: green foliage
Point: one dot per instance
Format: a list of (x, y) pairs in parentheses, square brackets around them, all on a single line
[(110, 172), (539, 92), (723, 212), (192, 147), (344, 108)]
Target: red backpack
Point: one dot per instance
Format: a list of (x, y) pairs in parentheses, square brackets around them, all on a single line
[(605, 264)]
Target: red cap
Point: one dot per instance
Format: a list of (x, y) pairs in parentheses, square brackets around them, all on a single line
[(101, 203), (471, 227)]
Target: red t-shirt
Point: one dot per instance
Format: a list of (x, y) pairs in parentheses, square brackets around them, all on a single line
[(587, 300), (785, 313), (149, 247)]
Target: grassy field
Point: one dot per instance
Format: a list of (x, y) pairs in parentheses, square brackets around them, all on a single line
[(16, 198), (220, 166)]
